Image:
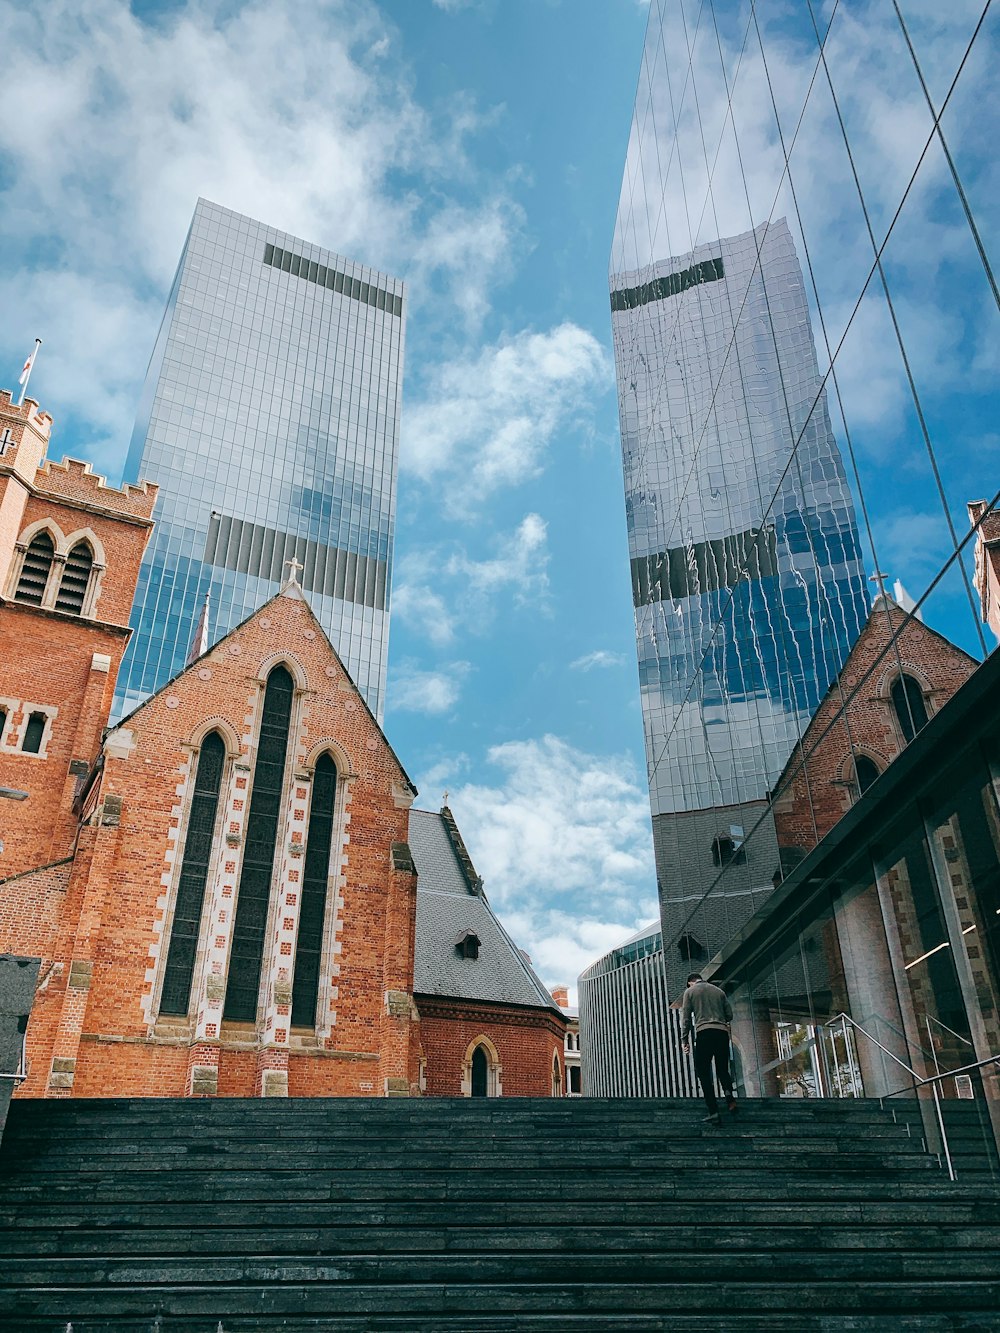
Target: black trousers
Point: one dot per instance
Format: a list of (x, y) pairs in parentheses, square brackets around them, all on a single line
[(712, 1045)]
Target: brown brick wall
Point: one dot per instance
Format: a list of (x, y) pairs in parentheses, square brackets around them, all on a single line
[(525, 1040), (47, 661), (817, 789), (47, 656), (118, 896)]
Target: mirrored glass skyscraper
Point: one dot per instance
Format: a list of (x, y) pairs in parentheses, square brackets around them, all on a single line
[(747, 576), (270, 420)]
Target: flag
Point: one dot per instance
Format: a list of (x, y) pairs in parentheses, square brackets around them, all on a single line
[(26, 370)]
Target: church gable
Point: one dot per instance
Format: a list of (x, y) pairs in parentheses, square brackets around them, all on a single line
[(241, 832), (899, 673)]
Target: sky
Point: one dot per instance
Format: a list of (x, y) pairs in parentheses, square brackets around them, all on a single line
[(475, 148)]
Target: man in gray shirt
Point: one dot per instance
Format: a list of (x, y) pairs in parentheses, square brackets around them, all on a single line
[(707, 1009)]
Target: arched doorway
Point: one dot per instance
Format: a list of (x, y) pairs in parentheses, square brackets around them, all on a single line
[(480, 1073)]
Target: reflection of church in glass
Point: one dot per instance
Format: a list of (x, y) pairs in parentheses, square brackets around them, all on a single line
[(747, 576)]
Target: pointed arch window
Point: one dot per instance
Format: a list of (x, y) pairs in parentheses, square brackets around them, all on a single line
[(556, 1076), (727, 851), (76, 579), (480, 1073), (176, 996), (35, 570), (263, 817), (908, 703), (312, 908), (865, 773)]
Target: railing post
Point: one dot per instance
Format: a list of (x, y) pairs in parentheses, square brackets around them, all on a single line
[(943, 1132)]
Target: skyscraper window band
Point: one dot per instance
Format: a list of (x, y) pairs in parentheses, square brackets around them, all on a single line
[(250, 548), (628, 298), (333, 280), (700, 567)]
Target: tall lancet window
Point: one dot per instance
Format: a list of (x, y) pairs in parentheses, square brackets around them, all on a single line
[(312, 908), (258, 858), (176, 996)]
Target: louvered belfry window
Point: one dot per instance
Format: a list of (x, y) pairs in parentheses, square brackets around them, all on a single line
[(258, 856), (312, 908), (176, 996), (35, 570), (75, 579)]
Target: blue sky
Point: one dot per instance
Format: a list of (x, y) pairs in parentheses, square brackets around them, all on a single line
[(474, 147)]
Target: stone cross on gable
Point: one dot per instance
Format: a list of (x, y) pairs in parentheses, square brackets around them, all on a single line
[(293, 566), (879, 579)]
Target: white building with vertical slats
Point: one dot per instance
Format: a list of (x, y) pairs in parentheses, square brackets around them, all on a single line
[(629, 1036)]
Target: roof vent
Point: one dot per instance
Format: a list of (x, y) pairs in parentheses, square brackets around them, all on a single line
[(467, 944)]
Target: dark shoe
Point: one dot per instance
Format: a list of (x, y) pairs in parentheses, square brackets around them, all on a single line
[(732, 1104), (712, 1119)]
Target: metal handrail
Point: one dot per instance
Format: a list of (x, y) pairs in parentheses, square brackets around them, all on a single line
[(948, 1073), (844, 1019), (951, 1031)]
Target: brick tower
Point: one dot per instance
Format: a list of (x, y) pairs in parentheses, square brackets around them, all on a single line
[(70, 547)]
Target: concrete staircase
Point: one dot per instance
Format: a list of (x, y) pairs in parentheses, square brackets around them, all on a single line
[(471, 1215)]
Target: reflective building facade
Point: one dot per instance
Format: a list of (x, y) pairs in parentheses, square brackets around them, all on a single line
[(270, 420), (806, 308), (747, 576), (801, 305)]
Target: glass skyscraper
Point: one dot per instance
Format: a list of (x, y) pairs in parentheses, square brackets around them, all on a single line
[(747, 576), (803, 301), (270, 420)]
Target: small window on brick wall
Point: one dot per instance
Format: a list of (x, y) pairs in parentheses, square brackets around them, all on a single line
[(3, 723), (33, 733)]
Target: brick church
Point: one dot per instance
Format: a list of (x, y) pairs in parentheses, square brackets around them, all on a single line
[(229, 890)]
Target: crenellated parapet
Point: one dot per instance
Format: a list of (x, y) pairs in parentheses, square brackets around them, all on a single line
[(75, 481)]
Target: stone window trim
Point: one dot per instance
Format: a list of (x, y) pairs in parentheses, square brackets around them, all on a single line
[(191, 750), (12, 734), (847, 773), (292, 776), (8, 707), (63, 544), (557, 1075), (889, 678), (494, 1068), (330, 956)]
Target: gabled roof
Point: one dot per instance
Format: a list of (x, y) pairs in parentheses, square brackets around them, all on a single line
[(884, 608), (290, 591), (450, 902)]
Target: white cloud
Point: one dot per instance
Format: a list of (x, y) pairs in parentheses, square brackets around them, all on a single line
[(421, 607), (301, 116), (600, 657), (453, 6), (562, 839), (415, 691), (486, 420), (520, 562), (439, 588)]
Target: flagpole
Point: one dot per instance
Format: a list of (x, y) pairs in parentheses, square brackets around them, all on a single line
[(27, 372)]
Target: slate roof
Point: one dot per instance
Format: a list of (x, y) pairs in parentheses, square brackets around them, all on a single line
[(450, 901)]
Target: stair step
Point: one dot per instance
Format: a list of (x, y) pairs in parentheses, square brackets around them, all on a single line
[(382, 1215), (556, 1238), (273, 1300)]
